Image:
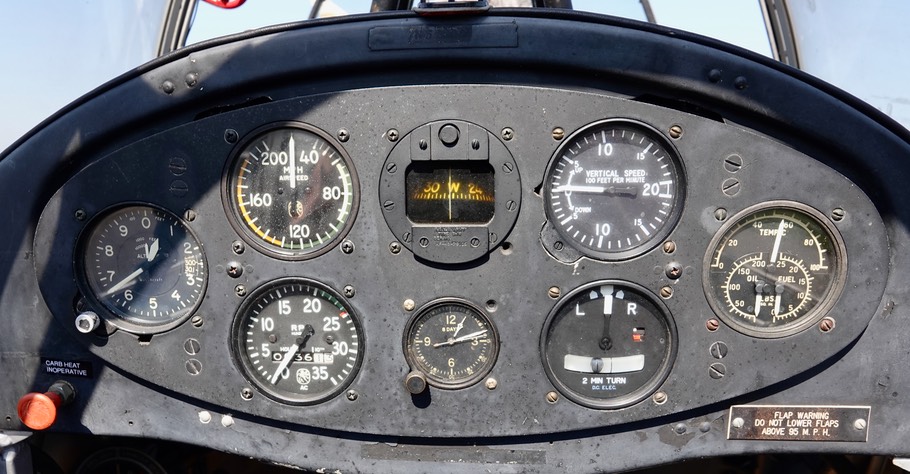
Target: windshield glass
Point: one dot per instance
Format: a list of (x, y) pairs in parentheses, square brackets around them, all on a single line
[(54, 52), (858, 47), (742, 23)]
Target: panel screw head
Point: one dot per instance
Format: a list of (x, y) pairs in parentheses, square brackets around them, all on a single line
[(408, 305), (666, 292), (669, 247), (673, 270), (827, 324), (717, 370), (675, 132), (394, 247), (659, 398), (234, 270), (168, 87), (246, 394), (859, 424), (343, 135), (838, 214), (347, 246), (558, 133), (424, 241), (240, 290), (189, 215), (720, 214), (739, 422), (196, 321), (237, 247), (231, 136), (491, 383), (553, 292), (507, 133), (712, 325), (352, 395), (552, 397), (349, 291), (80, 215), (392, 135)]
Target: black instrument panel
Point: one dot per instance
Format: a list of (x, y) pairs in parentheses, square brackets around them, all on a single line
[(379, 282), (771, 263)]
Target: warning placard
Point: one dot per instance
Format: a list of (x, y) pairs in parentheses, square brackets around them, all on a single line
[(799, 423)]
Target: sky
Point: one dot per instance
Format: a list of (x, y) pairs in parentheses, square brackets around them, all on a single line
[(43, 73)]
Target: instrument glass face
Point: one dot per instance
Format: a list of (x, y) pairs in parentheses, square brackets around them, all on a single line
[(452, 342), (145, 267), (607, 345), (614, 189), (774, 270), (293, 191), (297, 341)]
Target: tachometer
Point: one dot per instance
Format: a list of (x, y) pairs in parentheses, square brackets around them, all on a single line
[(614, 189), (775, 269), (145, 267), (298, 341), (292, 191)]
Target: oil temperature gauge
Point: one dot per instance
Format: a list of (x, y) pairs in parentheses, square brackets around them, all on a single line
[(775, 269), (608, 344), (452, 343)]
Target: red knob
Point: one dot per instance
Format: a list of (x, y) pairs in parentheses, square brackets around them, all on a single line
[(38, 411)]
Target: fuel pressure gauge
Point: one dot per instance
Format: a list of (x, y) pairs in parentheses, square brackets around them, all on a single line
[(775, 269), (608, 344)]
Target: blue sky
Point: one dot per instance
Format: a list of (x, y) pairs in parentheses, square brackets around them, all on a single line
[(58, 52)]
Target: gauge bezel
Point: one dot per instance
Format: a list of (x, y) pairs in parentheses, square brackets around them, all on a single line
[(233, 213), (803, 322), (440, 382), (237, 345), (640, 393), (573, 251), (109, 316)]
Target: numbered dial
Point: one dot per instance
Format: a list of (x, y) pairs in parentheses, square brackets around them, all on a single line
[(145, 268), (452, 342), (293, 192), (774, 270), (607, 345), (298, 341), (613, 190)]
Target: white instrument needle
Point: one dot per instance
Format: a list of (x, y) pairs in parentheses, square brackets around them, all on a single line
[(151, 252), (124, 282), (466, 337), (780, 233), (285, 362), (293, 170)]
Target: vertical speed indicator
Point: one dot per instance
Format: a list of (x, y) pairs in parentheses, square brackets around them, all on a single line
[(292, 191), (614, 189)]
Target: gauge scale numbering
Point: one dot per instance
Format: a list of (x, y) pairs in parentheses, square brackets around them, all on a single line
[(775, 269), (452, 342), (298, 341), (614, 189), (292, 191), (145, 267)]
